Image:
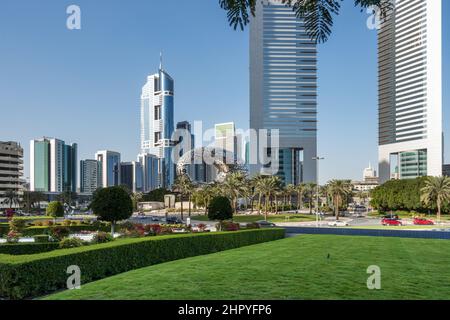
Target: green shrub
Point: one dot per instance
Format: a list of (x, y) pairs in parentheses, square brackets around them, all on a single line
[(220, 209), (55, 209), (59, 233), (41, 238), (67, 243), (17, 225), (28, 248), (103, 237), (30, 276)]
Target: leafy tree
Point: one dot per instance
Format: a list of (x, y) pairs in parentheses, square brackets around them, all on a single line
[(112, 204), (156, 195), (55, 209), (436, 191), (268, 186), (220, 209), (318, 14)]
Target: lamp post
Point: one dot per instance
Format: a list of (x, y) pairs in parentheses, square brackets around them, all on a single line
[(317, 159)]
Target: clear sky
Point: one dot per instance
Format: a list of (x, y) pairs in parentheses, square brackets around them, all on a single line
[(84, 85)]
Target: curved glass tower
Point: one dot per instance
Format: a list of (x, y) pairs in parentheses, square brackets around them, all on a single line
[(157, 124)]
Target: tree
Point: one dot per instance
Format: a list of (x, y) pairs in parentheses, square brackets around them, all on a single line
[(268, 186), (136, 198), (339, 190), (290, 190), (112, 204), (300, 189), (318, 14), (156, 195), (55, 209), (310, 189), (11, 198), (67, 197), (220, 209), (184, 186), (436, 191), (234, 186)]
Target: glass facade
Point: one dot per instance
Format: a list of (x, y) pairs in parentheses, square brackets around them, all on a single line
[(42, 166), (413, 164)]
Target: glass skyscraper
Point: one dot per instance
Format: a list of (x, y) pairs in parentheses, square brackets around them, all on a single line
[(410, 90), (283, 89), (110, 168), (53, 166), (157, 123)]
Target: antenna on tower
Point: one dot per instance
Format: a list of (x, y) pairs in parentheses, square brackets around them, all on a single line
[(160, 60)]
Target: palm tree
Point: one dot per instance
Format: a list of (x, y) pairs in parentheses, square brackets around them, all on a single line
[(11, 198), (318, 14), (290, 189), (234, 186), (436, 191), (183, 186), (300, 190), (339, 191), (267, 186), (310, 188)]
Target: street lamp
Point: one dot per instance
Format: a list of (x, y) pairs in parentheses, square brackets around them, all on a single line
[(317, 159)]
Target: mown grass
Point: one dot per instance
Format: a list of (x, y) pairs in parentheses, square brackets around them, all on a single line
[(303, 267)]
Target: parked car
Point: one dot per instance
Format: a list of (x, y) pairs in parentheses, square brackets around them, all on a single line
[(174, 220), (391, 222), (338, 223), (423, 222), (266, 224), (391, 216)]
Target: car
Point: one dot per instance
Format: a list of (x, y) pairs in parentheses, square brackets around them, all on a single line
[(266, 224), (338, 223), (423, 222), (174, 220), (391, 222), (392, 216)]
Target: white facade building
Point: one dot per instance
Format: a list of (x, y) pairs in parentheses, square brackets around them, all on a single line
[(283, 90), (410, 91), (109, 168)]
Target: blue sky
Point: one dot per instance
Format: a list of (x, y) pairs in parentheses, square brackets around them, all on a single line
[(84, 86)]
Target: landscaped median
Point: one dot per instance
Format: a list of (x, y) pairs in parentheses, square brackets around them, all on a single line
[(34, 275)]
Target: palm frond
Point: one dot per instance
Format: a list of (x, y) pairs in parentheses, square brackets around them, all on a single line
[(238, 11)]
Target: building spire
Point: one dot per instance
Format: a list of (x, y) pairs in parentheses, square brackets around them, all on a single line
[(160, 61)]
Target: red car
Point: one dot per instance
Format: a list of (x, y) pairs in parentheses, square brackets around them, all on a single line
[(423, 222), (391, 222)]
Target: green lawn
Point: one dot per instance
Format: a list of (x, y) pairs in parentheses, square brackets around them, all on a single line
[(303, 267), (272, 218)]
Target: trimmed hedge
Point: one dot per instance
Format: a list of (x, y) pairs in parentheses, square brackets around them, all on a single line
[(27, 248), (30, 276), (33, 231)]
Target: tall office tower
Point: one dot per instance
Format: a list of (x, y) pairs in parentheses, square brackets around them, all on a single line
[(90, 176), (53, 165), (283, 89), (132, 176), (110, 168), (11, 169), (225, 138), (186, 147), (157, 123), (410, 90), (150, 164)]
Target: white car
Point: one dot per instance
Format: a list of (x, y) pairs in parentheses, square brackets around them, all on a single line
[(338, 224)]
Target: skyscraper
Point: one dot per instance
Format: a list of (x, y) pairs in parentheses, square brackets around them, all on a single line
[(283, 89), (410, 90), (157, 123), (11, 168), (110, 168), (90, 176), (53, 165), (150, 164), (186, 146), (131, 175)]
